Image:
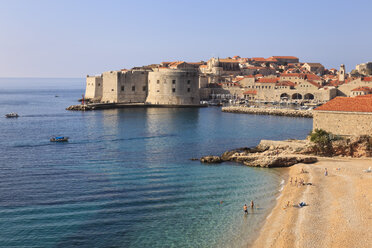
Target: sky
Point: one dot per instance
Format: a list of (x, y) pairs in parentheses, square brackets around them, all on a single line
[(50, 38)]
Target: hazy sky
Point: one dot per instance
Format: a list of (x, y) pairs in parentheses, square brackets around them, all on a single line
[(75, 38)]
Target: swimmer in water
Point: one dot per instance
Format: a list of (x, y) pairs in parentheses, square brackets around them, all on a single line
[(245, 208), (252, 204)]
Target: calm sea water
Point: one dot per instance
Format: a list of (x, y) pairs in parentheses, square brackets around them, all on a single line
[(125, 179)]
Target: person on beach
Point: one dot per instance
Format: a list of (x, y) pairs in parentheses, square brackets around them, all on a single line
[(296, 181), (252, 204), (245, 208), (291, 180), (326, 172)]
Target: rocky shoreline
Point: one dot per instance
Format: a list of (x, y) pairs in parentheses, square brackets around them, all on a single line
[(286, 153), (269, 111), (267, 154)]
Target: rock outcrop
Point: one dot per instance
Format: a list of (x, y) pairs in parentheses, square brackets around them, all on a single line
[(80, 107), (211, 159), (266, 154), (286, 153)]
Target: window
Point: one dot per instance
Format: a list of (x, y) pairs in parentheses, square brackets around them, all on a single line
[(173, 81), (188, 89), (158, 81), (99, 84), (144, 88), (174, 90), (188, 81), (133, 88), (112, 89), (122, 88), (158, 91)]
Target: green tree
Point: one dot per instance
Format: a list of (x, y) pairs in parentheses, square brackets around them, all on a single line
[(322, 140)]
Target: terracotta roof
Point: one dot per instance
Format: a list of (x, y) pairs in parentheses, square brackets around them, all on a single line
[(203, 66), (283, 57), (229, 61), (348, 104), (258, 59), (252, 92), (175, 64), (365, 89), (290, 74), (237, 79), (369, 79), (286, 83), (313, 83), (268, 80)]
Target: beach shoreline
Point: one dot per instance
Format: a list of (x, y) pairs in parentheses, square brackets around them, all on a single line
[(338, 212)]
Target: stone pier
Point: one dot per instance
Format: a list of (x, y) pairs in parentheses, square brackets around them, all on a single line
[(269, 111)]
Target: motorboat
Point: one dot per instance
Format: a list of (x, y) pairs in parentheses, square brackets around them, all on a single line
[(59, 139), (12, 115)]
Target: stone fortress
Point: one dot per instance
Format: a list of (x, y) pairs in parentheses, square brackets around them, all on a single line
[(274, 79)]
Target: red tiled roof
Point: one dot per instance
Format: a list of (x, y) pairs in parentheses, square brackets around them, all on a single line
[(252, 92), (268, 80), (313, 83), (365, 89), (258, 59), (369, 79), (237, 79), (286, 83), (283, 57), (348, 104), (229, 61), (290, 74)]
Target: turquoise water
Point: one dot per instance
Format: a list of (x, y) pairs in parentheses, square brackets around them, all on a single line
[(125, 178)]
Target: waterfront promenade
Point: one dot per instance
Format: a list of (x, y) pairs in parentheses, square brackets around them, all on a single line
[(269, 111)]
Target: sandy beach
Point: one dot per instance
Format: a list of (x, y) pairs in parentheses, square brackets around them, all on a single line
[(338, 211)]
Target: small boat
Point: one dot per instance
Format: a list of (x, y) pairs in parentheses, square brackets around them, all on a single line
[(59, 139), (12, 115)]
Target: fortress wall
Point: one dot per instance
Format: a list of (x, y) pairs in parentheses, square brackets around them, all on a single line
[(343, 123), (110, 87), (93, 88), (184, 82), (132, 86)]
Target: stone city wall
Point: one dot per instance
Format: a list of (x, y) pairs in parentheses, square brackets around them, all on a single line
[(93, 88), (124, 86), (343, 123), (173, 87)]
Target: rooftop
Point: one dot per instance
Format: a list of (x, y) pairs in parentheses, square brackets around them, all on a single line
[(349, 104)]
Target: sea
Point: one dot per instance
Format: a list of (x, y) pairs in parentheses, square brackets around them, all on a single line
[(125, 178)]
